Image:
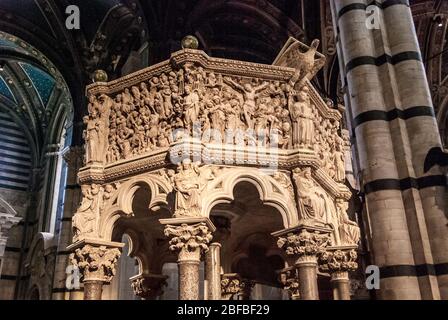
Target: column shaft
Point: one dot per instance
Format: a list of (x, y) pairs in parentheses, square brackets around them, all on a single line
[(93, 290), (213, 272), (341, 285), (308, 280), (188, 280)]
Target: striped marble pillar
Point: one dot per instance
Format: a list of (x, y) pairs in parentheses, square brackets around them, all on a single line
[(392, 119), (426, 189), (74, 159)]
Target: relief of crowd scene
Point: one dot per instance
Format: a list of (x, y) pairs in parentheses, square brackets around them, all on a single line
[(214, 108)]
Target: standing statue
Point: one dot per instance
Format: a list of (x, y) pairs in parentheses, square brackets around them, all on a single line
[(85, 219), (349, 231), (305, 63), (191, 107), (302, 118), (96, 134)]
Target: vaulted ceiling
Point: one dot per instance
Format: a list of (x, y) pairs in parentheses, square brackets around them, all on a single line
[(252, 30)]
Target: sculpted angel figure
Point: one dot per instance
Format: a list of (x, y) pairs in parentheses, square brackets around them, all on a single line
[(306, 63), (249, 94)]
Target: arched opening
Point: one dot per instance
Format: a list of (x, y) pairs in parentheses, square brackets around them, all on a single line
[(146, 248), (244, 228)]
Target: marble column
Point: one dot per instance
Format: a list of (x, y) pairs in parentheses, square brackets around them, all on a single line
[(338, 262), (148, 286), (289, 277), (97, 265), (389, 107), (190, 238), (213, 272), (304, 244)]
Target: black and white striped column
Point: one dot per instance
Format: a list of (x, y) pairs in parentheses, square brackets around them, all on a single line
[(392, 117)]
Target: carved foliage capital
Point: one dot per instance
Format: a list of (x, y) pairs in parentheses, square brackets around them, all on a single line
[(290, 280), (189, 240), (304, 243), (338, 261), (148, 287), (96, 263), (233, 284)]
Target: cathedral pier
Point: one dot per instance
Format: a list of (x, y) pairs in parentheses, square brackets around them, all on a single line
[(73, 158), (430, 199), (304, 244), (96, 262), (391, 113), (190, 238), (213, 272)]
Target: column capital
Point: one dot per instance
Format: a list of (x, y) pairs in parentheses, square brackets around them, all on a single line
[(148, 286), (304, 243), (189, 236), (233, 284), (96, 262), (289, 277), (7, 221), (338, 261)]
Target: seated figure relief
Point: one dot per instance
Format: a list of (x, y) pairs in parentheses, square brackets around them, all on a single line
[(316, 206), (313, 202), (189, 181)]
